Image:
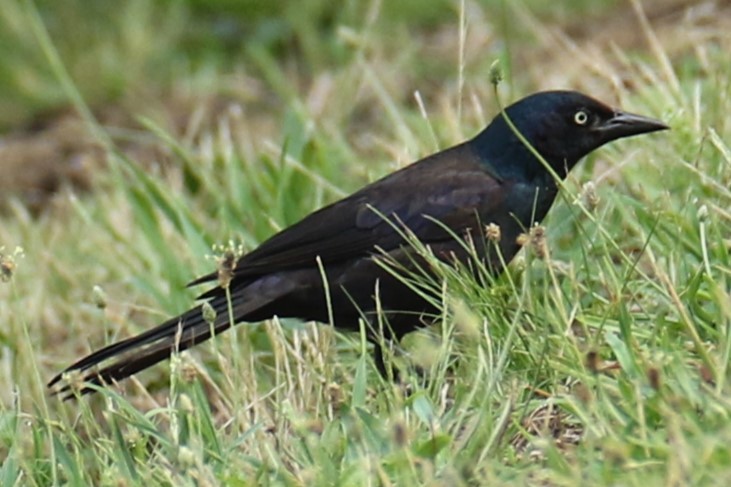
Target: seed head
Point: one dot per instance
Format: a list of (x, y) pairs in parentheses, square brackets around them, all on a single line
[(703, 213), (9, 263), (589, 196), (226, 257), (209, 314), (495, 73), (538, 241), (492, 232), (99, 297), (226, 267)]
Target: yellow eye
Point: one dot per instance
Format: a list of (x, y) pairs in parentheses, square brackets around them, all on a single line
[(581, 117)]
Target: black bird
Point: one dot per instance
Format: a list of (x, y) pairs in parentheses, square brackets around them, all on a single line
[(493, 178)]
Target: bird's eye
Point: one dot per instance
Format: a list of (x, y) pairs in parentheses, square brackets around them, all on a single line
[(581, 117)]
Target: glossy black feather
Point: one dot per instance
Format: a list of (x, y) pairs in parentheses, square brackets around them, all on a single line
[(493, 178)]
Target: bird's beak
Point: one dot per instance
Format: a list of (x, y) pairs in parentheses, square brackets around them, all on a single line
[(624, 124)]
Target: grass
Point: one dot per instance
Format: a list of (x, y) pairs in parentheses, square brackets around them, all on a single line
[(614, 329)]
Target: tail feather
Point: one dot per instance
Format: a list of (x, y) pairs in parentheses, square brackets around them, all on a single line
[(139, 352)]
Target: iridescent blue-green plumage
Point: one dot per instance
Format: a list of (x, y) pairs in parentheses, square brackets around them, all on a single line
[(493, 178)]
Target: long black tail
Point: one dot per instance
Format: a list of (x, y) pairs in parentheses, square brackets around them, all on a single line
[(150, 347)]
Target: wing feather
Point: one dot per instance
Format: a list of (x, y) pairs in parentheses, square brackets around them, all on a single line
[(452, 187)]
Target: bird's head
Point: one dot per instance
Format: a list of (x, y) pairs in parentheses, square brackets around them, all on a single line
[(563, 126)]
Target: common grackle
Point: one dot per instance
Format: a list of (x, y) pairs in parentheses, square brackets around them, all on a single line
[(494, 178)]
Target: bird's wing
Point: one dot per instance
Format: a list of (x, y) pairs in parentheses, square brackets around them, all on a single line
[(450, 187)]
